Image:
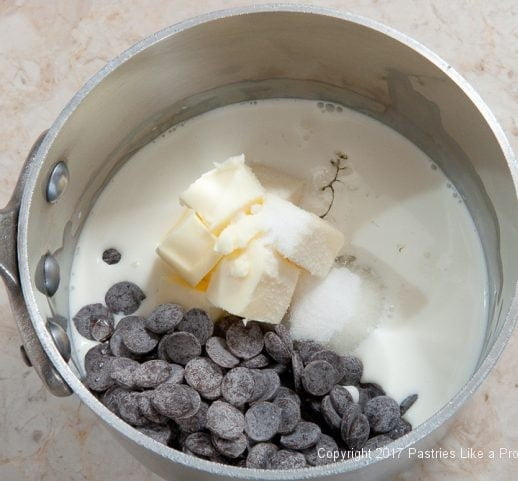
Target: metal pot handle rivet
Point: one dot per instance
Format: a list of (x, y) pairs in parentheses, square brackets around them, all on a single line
[(47, 275), (57, 182), (60, 338)]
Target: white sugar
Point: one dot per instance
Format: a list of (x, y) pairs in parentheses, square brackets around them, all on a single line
[(285, 223), (339, 310), (302, 237)]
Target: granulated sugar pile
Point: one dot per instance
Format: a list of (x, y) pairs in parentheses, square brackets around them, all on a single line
[(340, 310)]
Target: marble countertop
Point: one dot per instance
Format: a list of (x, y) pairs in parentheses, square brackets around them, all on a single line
[(49, 49)]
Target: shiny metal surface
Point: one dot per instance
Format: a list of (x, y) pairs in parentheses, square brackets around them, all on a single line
[(60, 338), (57, 183), (245, 54), (47, 275)]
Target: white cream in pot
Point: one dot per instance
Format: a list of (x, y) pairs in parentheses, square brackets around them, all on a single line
[(420, 314)]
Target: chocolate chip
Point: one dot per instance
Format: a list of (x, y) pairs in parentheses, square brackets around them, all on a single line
[(259, 455), (90, 315), (176, 374), (237, 386), (323, 452), (111, 398), (333, 359), (217, 350), (198, 323), (351, 410), (223, 323), (147, 410), (260, 384), (129, 409), (262, 421), (401, 428), (340, 397), (195, 423), (184, 448), (122, 370), (256, 362), (181, 347), (200, 444), (276, 348), (129, 322), (305, 435), (266, 384), (368, 391), (282, 331), (161, 434), (286, 393), (231, 448), (224, 420), (306, 348), (138, 339), (297, 368), (358, 432), (111, 256), (382, 413), (353, 369), (124, 298), (377, 442), (161, 351), (117, 346), (165, 318), (355, 427), (273, 384), (319, 377), (407, 403), (203, 374), (290, 414), (211, 395), (152, 373), (99, 378), (176, 400), (95, 355), (286, 459), (245, 342), (331, 417)]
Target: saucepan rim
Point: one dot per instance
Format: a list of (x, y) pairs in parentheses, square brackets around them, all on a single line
[(158, 449)]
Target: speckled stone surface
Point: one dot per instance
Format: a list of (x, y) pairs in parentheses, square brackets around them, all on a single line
[(48, 49)]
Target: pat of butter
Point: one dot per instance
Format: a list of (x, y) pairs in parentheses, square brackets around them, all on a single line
[(189, 248), (256, 283), (222, 192), (301, 236), (278, 183), (238, 233)]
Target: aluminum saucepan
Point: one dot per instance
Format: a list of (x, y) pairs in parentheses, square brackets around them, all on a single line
[(226, 57)]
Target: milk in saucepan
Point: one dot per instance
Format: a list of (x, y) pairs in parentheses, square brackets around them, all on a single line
[(421, 305)]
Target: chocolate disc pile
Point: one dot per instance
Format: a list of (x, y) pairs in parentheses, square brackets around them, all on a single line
[(239, 394)]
